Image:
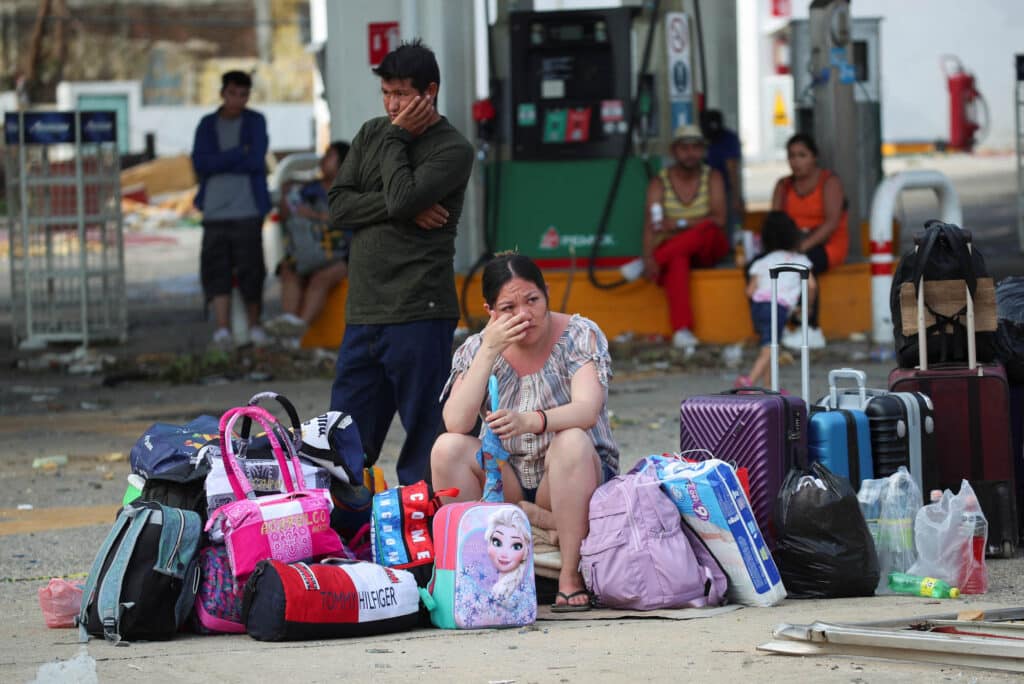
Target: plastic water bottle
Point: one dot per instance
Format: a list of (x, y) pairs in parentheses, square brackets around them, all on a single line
[(973, 574), (915, 585), (657, 216)]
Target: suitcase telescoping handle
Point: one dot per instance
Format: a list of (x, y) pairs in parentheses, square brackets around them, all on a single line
[(805, 359), (922, 337), (833, 390)]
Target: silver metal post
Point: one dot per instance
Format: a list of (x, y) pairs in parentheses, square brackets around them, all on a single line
[(775, 335), (83, 253)]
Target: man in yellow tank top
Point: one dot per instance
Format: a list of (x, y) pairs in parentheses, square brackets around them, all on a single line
[(683, 228)]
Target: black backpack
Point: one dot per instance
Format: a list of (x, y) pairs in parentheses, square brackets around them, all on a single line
[(143, 581), (181, 486), (941, 254)]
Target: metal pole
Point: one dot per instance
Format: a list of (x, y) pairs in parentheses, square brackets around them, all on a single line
[(1019, 104), (23, 190), (80, 209), (882, 263), (115, 173)]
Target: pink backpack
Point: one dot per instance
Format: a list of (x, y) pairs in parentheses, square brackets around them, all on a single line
[(640, 556)]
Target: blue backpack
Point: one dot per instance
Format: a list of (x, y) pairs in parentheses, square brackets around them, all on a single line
[(163, 447)]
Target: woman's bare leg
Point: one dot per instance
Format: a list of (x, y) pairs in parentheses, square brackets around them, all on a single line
[(572, 473)]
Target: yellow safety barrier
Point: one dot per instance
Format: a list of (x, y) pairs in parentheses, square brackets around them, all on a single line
[(721, 313)]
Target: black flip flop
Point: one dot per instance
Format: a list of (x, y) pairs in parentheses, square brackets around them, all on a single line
[(568, 607)]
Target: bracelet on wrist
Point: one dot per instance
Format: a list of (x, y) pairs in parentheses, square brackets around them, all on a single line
[(544, 421)]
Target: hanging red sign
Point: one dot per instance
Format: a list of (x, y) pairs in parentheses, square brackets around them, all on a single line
[(382, 39), (781, 8)]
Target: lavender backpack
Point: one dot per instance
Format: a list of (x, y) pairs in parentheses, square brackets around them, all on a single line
[(640, 556)]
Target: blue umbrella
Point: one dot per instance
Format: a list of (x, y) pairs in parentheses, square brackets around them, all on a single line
[(491, 452)]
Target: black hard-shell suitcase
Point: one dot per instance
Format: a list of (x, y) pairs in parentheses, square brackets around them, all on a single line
[(997, 500), (902, 427)]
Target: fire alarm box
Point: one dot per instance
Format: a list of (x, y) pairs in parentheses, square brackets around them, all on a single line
[(571, 85)]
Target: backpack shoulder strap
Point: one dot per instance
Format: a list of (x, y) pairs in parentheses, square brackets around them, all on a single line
[(179, 540), (122, 521), (109, 606)]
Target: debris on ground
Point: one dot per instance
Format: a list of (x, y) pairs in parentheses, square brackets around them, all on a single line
[(78, 361), (216, 366), (49, 463)]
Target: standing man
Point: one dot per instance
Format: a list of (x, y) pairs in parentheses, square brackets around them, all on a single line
[(724, 154), (229, 160), (400, 190)]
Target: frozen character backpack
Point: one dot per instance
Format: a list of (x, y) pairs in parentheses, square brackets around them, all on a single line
[(483, 567)]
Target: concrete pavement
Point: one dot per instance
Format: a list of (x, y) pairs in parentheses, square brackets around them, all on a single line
[(46, 413)]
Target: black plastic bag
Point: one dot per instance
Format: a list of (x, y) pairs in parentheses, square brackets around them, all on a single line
[(824, 547)]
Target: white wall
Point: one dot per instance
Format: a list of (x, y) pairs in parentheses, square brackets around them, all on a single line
[(289, 125), (984, 34)]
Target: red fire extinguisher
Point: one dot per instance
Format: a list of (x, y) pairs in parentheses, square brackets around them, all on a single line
[(965, 105)]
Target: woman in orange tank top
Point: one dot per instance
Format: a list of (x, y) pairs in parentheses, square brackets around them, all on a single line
[(813, 197)]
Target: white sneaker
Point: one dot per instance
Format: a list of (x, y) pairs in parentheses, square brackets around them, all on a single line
[(222, 339), (815, 339), (794, 339), (632, 269), (258, 336), (286, 325), (684, 339)]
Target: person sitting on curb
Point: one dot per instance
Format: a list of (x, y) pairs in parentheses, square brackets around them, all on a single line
[(684, 227), (813, 197), (552, 372), (303, 295)]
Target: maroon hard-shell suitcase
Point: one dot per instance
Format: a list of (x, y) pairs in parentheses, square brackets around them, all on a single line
[(972, 426), (759, 429)]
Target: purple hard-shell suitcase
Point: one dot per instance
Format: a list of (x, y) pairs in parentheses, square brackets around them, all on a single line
[(759, 429)]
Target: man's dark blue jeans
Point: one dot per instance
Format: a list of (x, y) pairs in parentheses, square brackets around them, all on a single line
[(399, 366)]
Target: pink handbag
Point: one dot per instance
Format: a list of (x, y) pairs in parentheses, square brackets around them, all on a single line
[(288, 527)]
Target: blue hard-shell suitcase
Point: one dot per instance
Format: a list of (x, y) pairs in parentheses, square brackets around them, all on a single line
[(840, 439)]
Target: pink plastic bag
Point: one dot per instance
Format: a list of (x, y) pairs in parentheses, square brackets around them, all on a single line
[(60, 601)]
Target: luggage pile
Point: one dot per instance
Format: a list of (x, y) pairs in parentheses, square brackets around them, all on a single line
[(245, 525), (944, 423)]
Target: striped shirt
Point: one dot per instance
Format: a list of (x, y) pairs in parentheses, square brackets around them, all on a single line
[(675, 209), (581, 343)]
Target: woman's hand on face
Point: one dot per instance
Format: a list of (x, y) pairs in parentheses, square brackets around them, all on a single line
[(503, 330), (505, 423)]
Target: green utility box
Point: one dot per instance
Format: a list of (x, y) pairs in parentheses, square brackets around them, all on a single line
[(546, 207)]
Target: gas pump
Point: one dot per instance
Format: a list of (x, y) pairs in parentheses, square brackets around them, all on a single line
[(965, 103), (563, 116)]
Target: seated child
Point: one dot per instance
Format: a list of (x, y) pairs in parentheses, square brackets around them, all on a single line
[(779, 239)]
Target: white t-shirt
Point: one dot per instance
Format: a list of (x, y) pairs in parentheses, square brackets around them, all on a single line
[(789, 283)]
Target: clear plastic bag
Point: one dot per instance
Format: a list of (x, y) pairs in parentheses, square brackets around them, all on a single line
[(944, 533), (890, 506), (60, 602)]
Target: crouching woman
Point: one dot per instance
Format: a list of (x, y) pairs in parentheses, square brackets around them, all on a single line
[(552, 372)]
